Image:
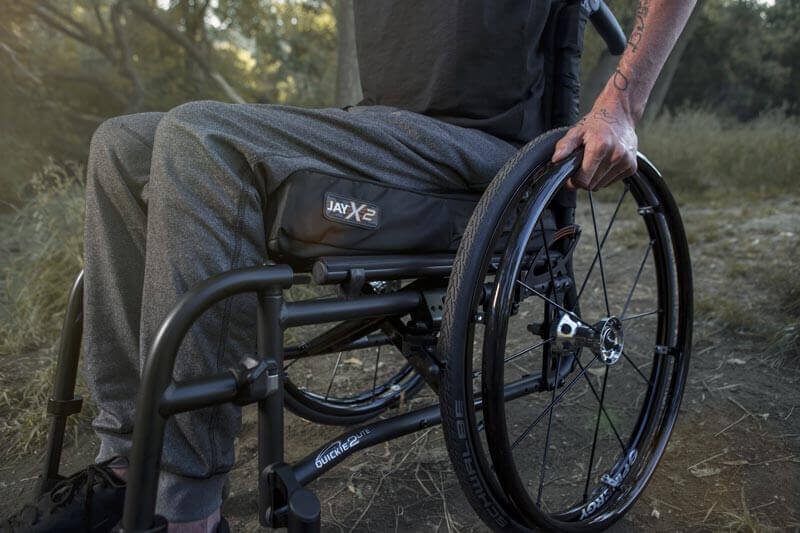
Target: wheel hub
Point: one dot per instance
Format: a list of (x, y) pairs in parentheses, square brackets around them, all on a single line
[(611, 340), (605, 338)]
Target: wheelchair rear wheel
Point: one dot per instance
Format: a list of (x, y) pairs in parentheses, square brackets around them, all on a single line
[(596, 316), (354, 373)]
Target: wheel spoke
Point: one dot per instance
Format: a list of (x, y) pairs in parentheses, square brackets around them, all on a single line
[(293, 361), (599, 255), (636, 281), (602, 243), (608, 418), (547, 435), (594, 441), (520, 353), (526, 350), (558, 306), (546, 410), (640, 315), (647, 380), (375, 375), (333, 375)]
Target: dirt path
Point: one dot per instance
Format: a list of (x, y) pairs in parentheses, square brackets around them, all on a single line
[(733, 462)]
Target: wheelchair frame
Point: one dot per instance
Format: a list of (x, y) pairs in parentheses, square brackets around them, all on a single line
[(283, 500)]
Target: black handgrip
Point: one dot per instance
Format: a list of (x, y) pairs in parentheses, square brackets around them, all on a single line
[(609, 29)]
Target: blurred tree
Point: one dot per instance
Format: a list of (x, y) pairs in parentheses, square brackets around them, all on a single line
[(742, 59), (348, 83), (67, 65), (667, 75)]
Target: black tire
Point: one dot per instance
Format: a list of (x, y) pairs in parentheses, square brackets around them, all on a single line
[(488, 471)]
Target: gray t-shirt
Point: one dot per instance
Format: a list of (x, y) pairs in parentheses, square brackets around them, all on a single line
[(474, 63)]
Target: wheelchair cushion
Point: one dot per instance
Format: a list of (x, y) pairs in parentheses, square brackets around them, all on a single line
[(315, 214)]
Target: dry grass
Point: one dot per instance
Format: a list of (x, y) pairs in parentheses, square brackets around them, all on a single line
[(784, 341), (732, 180), (709, 158), (44, 242), (747, 268), (41, 247)]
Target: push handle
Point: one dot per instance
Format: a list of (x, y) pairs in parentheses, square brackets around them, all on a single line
[(608, 27)]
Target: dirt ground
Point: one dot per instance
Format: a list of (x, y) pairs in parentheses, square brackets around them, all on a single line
[(733, 462)]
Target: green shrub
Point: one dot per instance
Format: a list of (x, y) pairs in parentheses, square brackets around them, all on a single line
[(702, 154)]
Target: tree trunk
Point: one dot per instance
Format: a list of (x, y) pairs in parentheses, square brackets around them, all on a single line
[(348, 84), (661, 88)]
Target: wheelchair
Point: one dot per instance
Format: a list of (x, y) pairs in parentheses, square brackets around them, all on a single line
[(559, 361)]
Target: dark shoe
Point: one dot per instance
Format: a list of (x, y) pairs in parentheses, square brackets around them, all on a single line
[(90, 500), (223, 527)]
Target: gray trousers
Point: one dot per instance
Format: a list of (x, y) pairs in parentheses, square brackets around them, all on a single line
[(175, 198)]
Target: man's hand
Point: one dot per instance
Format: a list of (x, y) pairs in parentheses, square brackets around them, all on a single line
[(609, 140), (607, 132)]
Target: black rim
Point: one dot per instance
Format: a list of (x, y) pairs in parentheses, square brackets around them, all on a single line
[(640, 444)]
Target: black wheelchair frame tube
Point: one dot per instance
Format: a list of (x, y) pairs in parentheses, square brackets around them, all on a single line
[(334, 310), (148, 436), (159, 397), (63, 403), (270, 410), (337, 450), (331, 345)]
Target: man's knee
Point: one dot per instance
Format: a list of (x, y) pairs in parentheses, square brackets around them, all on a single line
[(197, 142), (127, 134), (192, 119), (121, 145), (108, 138)]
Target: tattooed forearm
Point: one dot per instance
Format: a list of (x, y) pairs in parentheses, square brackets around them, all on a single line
[(638, 25), (657, 25), (619, 79)]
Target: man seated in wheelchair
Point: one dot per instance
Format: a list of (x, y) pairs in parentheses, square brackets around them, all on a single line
[(452, 90)]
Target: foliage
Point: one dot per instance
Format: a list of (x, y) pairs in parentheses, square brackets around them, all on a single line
[(41, 247), (65, 66), (43, 244), (742, 60), (713, 157)]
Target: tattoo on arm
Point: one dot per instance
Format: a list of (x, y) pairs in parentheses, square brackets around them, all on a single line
[(601, 114), (638, 26), (620, 80)]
